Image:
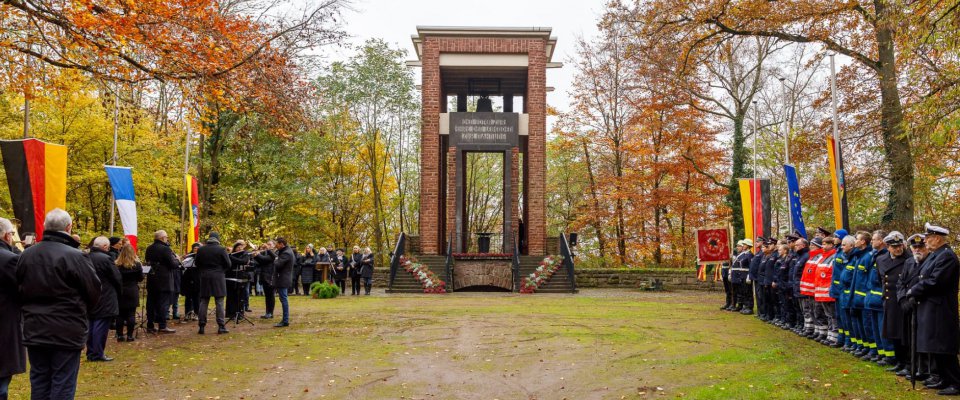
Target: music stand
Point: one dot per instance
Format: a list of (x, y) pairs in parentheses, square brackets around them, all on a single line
[(240, 314), (142, 309)]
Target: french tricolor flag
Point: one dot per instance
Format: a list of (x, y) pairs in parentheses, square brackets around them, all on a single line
[(121, 181)]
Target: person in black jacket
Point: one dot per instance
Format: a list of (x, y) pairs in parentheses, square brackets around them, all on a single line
[(353, 262), (108, 307), (239, 258), (116, 244), (297, 269), (163, 262), (213, 262), (283, 277), (57, 287), (909, 276), (308, 266), (339, 272), (366, 270), (889, 268), (938, 317), (131, 274), (13, 360), (190, 285), (264, 258)]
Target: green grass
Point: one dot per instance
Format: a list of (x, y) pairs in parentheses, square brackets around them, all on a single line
[(598, 344)]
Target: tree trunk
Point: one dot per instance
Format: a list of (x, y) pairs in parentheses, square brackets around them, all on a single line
[(896, 144), (601, 241)]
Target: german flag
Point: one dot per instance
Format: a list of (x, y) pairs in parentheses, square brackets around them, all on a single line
[(755, 201), (193, 231), (37, 177), (841, 219)]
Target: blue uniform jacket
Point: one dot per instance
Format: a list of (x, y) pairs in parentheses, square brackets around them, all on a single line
[(796, 270), (861, 276), (874, 300), (740, 267), (755, 273), (846, 278), (769, 268)]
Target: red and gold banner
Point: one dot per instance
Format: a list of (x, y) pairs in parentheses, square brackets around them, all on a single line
[(37, 177), (837, 185), (755, 202), (713, 245), (193, 230)]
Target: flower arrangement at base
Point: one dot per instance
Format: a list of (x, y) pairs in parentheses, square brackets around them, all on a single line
[(324, 290), (541, 275), (430, 281)]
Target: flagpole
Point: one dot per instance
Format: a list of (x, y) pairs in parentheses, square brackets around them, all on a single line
[(836, 131), (786, 146), (184, 205), (116, 128)]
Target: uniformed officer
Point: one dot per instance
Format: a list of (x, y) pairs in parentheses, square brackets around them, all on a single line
[(785, 284), (909, 277), (889, 268), (873, 301), (739, 271), (754, 278), (938, 318)]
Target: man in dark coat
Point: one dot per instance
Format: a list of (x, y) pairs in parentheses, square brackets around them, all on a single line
[(283, 277), (889, 268), (107, 308), (909, 276), (938, 318), (160, 289), (115, 244), (14, 358), (57, 286), (264, 259), (213, 262)]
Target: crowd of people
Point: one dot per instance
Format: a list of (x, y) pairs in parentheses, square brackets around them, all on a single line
[(57, 297), (880, 296)]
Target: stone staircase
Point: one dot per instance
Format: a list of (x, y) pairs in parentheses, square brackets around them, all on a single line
[(558, 283), (405, 282)]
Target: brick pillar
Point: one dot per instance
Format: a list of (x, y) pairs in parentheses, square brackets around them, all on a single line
[(514, 194), (430, 149), (536, 149), (451, 196)]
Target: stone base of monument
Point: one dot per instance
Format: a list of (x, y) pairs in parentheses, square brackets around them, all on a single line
[(483, 275)]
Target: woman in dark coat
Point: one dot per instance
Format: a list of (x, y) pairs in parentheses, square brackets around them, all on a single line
[(131, 274), (353, 263), (339, 271), (366, 270), (308, 264)]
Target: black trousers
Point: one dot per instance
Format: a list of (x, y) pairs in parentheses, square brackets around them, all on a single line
[(745, 291), (948, 367), (342, 283), (158, 302), (758, 296), (355, 283), (53, 373), (727, 287), (787, 306), (268, 298), (128, 319)]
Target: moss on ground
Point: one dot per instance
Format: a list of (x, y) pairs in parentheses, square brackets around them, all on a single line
[(598, 344)]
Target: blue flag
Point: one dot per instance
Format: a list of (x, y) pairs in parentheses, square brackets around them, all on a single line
[(121, 181), (796, 211)]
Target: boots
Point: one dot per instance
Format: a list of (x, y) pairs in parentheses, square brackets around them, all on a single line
[(367, 289), (200, 332), (222, 329), (120, 337), (130, 337)]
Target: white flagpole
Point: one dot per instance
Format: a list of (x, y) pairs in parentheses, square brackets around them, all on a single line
[(116, 128)]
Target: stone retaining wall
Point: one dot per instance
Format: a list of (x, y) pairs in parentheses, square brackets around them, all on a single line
[(612, 278)]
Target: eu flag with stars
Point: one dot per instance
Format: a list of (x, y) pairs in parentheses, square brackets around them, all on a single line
[(793, 186)]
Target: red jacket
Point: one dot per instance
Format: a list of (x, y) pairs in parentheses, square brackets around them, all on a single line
[(807, 284), (824, 276)]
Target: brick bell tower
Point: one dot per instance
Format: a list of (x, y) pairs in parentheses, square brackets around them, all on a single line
[(483, 64)]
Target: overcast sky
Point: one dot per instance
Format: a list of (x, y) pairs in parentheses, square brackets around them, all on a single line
[(394, 21)]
